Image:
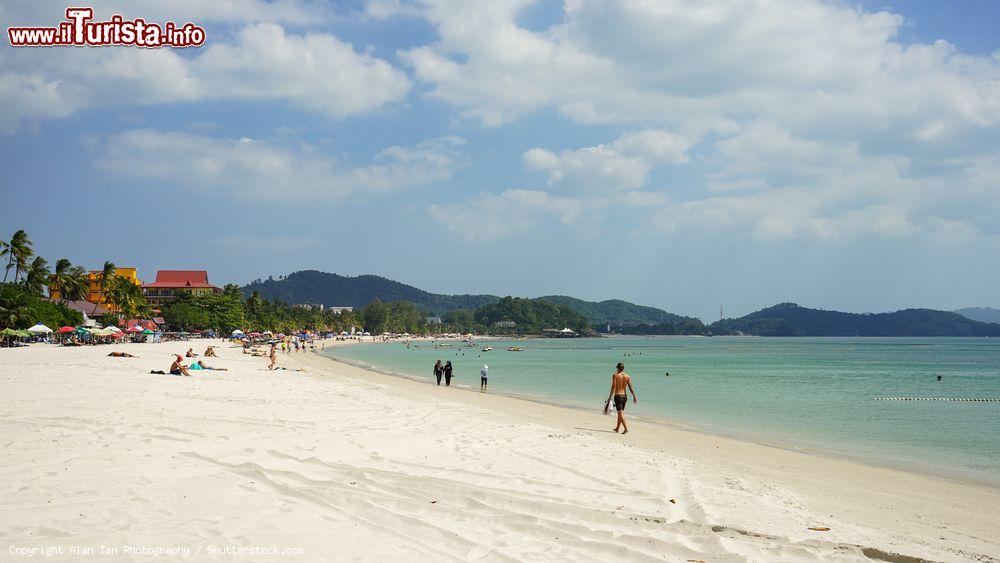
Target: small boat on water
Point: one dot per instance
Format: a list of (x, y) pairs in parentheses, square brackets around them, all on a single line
[(488, 349), (515, 349)]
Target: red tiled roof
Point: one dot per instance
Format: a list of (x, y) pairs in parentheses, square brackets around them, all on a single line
[(181, 278)]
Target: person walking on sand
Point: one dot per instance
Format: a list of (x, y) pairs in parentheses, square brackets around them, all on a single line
[(620, 382), (448, 370), (274, 357), (438, 371), (483, 374)]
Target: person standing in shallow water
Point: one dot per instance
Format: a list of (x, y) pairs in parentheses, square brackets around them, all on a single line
[(438, 371), (620, 383), (483, 374), (447, 373)]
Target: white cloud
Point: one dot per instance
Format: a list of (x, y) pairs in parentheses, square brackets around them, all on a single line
[(811, 119), (293, 12), (809, 62), (623, 164), (489, 216), (316, 72), (260, 169)]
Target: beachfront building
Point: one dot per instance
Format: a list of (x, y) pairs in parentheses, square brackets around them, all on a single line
[(557, 333), (94, 293), (310, 306), (339, 310), (169, 283), (90, 311)]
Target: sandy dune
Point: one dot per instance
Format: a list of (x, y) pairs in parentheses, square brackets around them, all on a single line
[(339, 463)]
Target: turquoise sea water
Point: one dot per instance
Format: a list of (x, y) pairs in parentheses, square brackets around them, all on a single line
[(808, 393)]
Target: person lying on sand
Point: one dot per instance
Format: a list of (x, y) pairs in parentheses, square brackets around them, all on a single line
[(121, 355), (289, 369), (210, 352), (201, 365)]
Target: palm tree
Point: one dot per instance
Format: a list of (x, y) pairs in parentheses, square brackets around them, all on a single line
[(127, 298), (18, 251), (61, 279), (70, 281), (105, 279), (14, 309), (36, 275)]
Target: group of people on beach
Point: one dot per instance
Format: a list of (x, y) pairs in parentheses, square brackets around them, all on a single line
[(447, 371), (621, 386), (178, 367)]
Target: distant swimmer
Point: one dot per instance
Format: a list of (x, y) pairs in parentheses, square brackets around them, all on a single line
[(939, 378), (621, 384)]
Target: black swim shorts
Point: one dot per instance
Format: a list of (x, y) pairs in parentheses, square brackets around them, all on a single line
[(620, 401)]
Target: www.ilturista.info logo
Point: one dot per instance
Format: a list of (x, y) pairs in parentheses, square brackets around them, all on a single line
[(78, 30)]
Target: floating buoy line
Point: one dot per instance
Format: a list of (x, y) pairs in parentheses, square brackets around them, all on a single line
[(951, 399)]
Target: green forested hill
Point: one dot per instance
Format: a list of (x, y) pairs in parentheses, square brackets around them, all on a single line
[(332, 290), (789, 319), (615, 311), (531, 316)]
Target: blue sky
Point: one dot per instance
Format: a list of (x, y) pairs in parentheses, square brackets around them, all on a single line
[(679, 154)]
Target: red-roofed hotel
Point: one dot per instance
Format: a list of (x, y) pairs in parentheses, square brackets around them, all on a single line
[(169, 282)]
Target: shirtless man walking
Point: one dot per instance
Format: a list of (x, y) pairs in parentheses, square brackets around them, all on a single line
[(620, 381)]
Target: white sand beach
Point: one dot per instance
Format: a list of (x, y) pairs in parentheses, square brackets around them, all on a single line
[(341, 463)]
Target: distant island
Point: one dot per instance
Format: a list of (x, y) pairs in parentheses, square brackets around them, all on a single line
[(790, 319), (621, 317), (981, 314)]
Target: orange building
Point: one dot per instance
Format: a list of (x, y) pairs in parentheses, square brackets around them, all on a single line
[(94, 293)]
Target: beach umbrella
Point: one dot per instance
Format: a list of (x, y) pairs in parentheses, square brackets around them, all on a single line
[(114, 329), (23, 333), (66, 330), (40, 329), (134, 329), (236, 333), (8, 332), (146, 331)]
